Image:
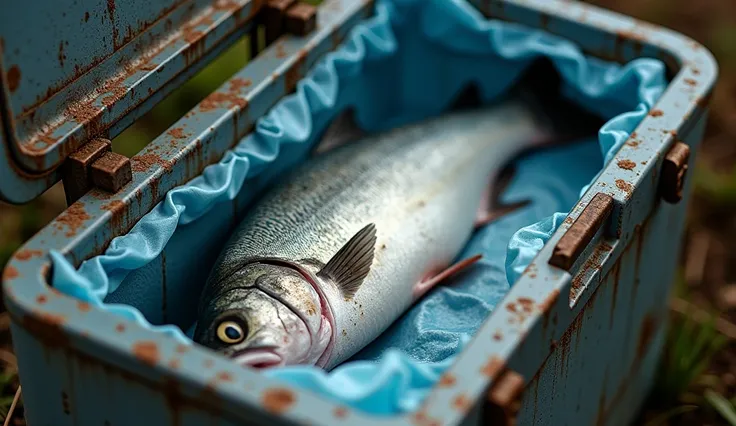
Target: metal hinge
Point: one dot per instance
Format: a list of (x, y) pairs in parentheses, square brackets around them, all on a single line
[(95, 165)]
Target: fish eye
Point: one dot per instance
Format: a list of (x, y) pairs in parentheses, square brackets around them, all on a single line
[(230, 332)]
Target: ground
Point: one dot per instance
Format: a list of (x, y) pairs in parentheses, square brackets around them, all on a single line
[(698, 369)]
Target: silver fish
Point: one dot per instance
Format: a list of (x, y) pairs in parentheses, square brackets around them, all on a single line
[(348, 241)]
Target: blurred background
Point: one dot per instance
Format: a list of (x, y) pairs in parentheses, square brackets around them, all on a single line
[(696, 384)]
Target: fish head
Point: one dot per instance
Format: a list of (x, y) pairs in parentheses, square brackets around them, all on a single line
[(264, 316)]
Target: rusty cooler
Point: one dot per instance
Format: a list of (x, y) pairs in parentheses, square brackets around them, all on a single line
[(563, 320)]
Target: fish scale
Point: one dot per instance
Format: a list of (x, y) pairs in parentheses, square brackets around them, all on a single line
[(420, 185)]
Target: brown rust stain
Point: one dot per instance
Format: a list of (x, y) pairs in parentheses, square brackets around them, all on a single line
[(462, 403), (656, 113), (142, 163), (492, 367), (648, 327), (111, 14), (62, 56), (447, 380), (222, 100), (174, 363), (182, 349), (146, 351), (278, 400), (237, 84), (177, 133), (41, 299), (74, 218), (27, 254), (626, 164), (527, 304), (624, 186), (86, 16), (13, 78), (294, 74), (498, 336), (690, 82), (120, 328), (83, 306), (340, 412), (225, 376)]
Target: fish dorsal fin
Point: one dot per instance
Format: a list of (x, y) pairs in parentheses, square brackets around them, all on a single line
[(343, 129), (349, 267)]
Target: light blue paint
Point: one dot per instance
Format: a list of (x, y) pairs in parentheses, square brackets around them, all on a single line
[(405, 64)]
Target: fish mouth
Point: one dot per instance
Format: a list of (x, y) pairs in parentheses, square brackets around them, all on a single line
[(258, 358)]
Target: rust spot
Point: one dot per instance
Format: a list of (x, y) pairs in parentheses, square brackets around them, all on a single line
[(13, 78), (26, 254), (447, 380), (224, 376), (632, 143), (146, 351), (278, 400), (648, 327), (41, 299), (624, 186), (498, 336), (62, 56), (627, 164), (492, 367), (634, 135), (340, 412), (690, 82), (83, 306), (120, 328), (222, 100), (511, 307), (280, 51), (656, 113), (86, 16), (550, 301), (141, 163), (177, 133), (294, 74), (527, 304), (462, 403), (237, 84), (182, 348), (73, 217)]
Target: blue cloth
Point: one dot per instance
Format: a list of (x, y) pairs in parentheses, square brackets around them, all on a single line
[(406, 63)]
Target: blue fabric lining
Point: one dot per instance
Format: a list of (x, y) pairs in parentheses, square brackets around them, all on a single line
[(404, 64)]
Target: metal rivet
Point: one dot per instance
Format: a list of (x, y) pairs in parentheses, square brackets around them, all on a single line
[(579, 235), (111, 172), (301, 19), (76, 176), (674, 170)]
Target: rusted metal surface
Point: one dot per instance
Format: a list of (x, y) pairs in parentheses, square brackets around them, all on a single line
[(77, 179), (579, 235), (111, 172), (112, 88), (301, 19), (674, 170), (90, 362)]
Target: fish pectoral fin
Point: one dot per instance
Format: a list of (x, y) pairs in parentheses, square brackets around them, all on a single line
[(486, 216), (490, 209), (422, 287), (342, 129), (349, 267)]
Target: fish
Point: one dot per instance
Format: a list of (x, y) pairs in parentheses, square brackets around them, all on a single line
[(345, 243)]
